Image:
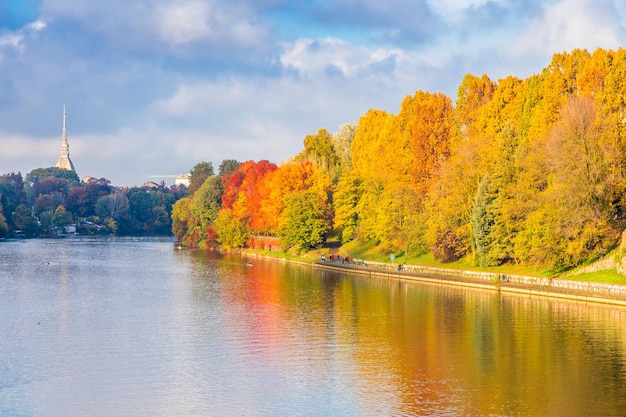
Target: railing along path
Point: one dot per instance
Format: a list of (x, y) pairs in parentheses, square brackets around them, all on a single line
[(593, 291)]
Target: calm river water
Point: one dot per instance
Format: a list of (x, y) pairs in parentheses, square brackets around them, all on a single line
[(125, 327)]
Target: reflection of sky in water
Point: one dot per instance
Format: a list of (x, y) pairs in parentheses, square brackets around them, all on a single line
[(138, 328)]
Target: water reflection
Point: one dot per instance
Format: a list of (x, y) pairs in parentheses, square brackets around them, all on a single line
[(402, 348), (130, 328)]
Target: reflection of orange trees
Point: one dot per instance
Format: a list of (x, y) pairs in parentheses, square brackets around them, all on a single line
[(416, 349), (263, 309)]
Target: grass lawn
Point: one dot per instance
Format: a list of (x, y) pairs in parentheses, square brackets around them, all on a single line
[(370, 252), (607, 276)]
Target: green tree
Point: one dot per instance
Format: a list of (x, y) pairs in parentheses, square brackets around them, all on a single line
[(228, 166), (4, 226), (25, 221), (199, 173), (505, 209), (161, 224), (305, 221), (346, 197), (45, 220), (103, 207), (482, 222), (207, 201), (61, 217), (139, 211), (12, 194), (41, 173), (119, 206), (232, 233)]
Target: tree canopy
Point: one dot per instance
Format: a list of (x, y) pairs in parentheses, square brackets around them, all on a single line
[(528, 171)]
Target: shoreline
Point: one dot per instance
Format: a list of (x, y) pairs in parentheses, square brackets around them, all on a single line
[(582, 291)]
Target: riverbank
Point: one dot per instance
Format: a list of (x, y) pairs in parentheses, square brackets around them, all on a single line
[(583, 291)]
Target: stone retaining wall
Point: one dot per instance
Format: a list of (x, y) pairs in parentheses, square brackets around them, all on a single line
[(562, 286)]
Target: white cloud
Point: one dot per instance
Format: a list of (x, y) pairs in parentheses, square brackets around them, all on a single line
[(186, 21), (182, 22), (12, 39), (452, 11), (570, 24), (162, 25), (36, 26), (194, 98), (16, 39), (18, 146), (314, 56), (22, 153)]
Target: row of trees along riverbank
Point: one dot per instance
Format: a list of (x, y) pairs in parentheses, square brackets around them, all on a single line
[(526, 171)]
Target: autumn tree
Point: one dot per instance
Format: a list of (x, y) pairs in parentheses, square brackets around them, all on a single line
[(181, 216), (289, 178), (198, 174), (250, 192), (342, 142), (525, 171), (449, 232), (320, 151), (50, 185), (398, 158), (473, 93)]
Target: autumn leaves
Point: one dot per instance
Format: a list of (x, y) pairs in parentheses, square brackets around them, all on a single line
[(515, 171)]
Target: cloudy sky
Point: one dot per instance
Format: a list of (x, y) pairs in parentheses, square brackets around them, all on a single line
[(153, 87)]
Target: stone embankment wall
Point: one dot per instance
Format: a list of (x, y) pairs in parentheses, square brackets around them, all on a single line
[(615, 261), (581, 290)]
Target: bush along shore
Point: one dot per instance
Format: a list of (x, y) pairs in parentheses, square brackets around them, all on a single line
[(584, 291)]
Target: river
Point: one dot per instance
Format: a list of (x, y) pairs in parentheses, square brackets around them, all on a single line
[(136, 327)]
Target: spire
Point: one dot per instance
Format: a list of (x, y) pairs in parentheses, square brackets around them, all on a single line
[(64, 159), (65, 128)]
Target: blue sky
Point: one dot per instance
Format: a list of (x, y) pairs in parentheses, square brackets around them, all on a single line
[(156, 86)]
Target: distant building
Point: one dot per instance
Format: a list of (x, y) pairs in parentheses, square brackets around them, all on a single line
[(150, 185), (64, 159), (183, 179), (180, 179)]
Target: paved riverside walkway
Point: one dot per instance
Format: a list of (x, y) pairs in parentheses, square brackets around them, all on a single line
[(551, 287)]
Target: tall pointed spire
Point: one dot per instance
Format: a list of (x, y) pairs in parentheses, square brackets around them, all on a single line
[(64, 159)]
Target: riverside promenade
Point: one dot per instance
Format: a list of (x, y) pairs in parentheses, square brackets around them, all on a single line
[(533, 286)]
